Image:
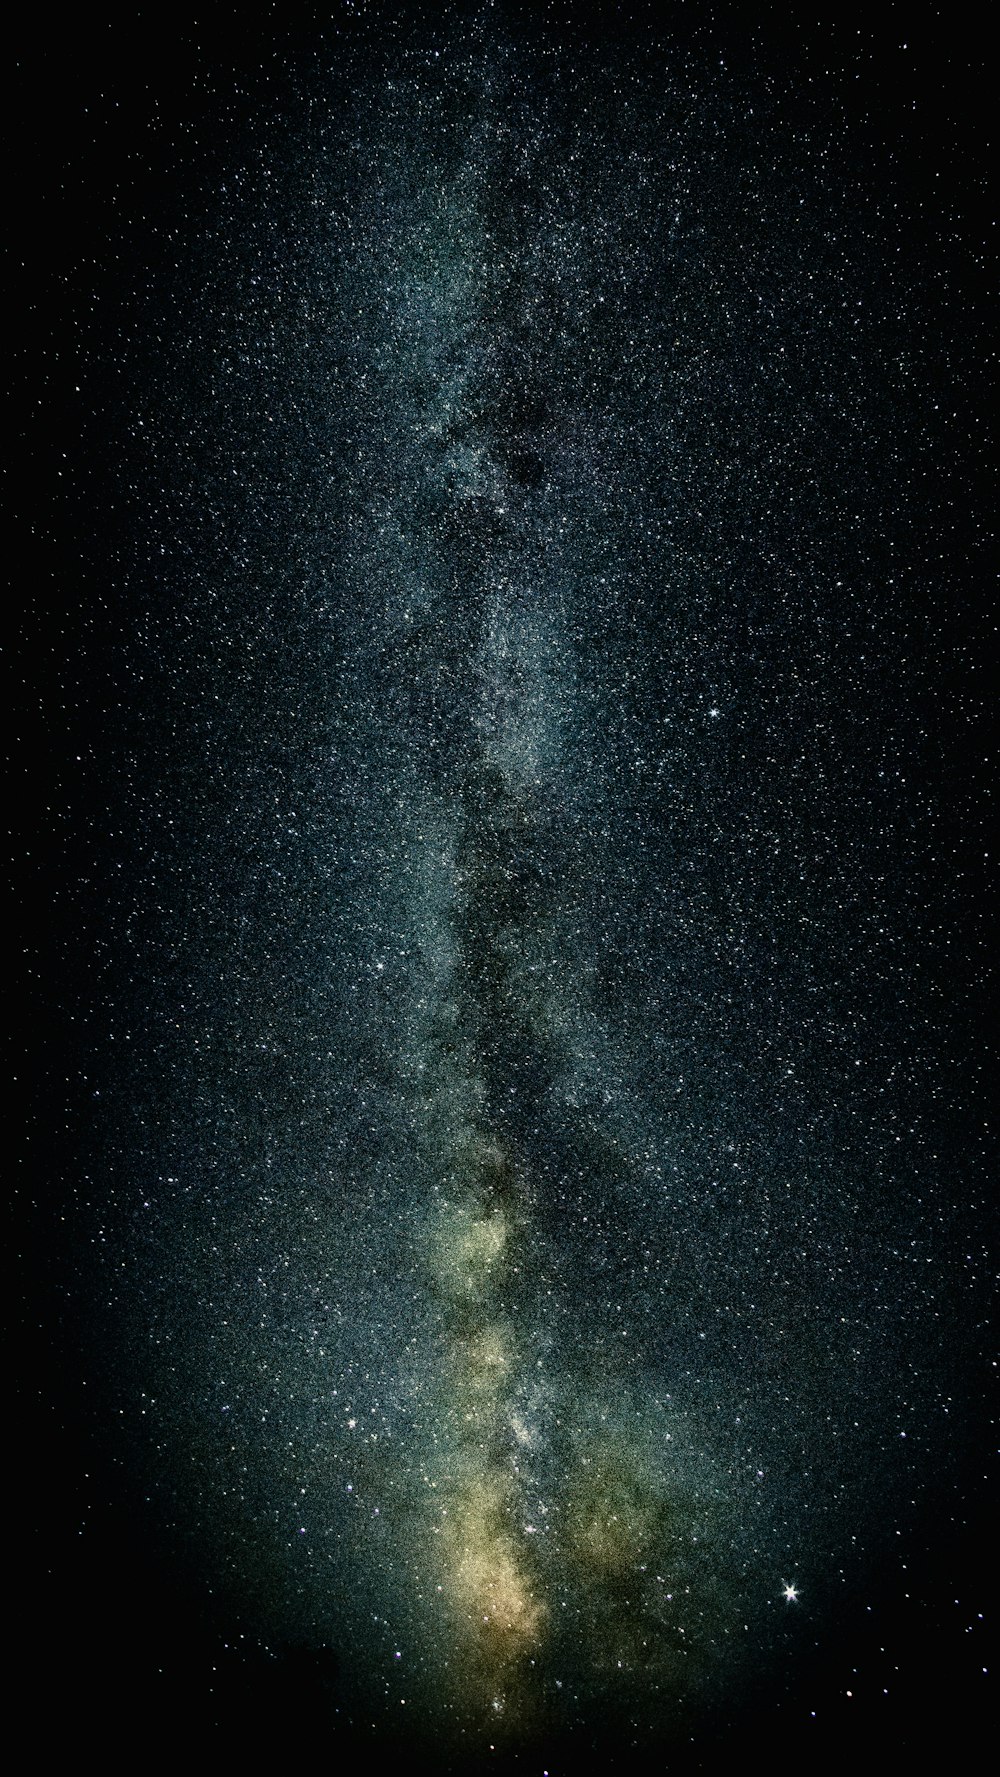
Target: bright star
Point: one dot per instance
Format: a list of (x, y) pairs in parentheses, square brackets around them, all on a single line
[(791, 1592)]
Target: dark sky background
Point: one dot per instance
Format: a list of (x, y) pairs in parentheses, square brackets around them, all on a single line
[(499, 521)]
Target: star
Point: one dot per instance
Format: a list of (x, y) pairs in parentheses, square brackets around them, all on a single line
[(791, 1593)]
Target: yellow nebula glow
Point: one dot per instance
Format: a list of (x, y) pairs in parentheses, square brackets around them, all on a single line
[(485, 1567), (467, 1248), (487, 1578), (479, 1246)]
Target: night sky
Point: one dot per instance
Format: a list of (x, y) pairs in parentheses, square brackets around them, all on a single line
[(500, 518)]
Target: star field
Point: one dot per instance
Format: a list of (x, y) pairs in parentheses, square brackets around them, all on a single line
[(509, 1175)]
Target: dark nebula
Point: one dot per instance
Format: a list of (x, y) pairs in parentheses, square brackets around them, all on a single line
[(501, 510)]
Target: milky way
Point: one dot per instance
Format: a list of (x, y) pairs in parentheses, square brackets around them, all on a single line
[(520, 1286)]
